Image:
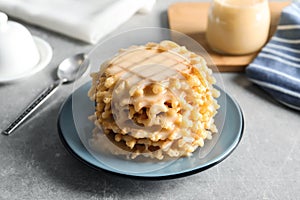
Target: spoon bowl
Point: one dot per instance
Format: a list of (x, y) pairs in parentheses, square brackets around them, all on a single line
[(72, 67)]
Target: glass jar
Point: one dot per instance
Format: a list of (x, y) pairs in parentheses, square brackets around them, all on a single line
[(238, 27)]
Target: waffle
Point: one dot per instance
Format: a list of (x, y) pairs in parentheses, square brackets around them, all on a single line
[(155, 100)]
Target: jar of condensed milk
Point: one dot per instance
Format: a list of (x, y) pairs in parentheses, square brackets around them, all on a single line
[(238, 27)]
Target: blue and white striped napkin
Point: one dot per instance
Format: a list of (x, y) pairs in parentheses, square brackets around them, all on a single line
[(277, 67)]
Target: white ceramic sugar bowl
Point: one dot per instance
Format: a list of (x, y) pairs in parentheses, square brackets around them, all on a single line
[(18, 51)]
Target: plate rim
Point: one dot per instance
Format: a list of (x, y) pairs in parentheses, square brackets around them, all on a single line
[(184, 173)]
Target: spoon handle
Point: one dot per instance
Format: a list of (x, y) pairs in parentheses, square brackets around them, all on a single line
[(32, 107)]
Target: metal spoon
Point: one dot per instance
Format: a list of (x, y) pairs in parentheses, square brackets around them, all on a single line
[(68, 70)]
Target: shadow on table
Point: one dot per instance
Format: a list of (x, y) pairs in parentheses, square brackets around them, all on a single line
[(164, 20), (42, 152)]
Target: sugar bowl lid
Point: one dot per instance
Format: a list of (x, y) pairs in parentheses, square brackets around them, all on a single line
[(20, 52), (3, 20)]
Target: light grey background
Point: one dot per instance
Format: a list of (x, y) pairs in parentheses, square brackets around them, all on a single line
[(35, 165)]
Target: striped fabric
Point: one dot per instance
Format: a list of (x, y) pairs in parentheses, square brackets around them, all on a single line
[(277, 67)]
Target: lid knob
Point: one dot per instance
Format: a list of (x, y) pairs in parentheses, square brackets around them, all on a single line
[(3, 20)]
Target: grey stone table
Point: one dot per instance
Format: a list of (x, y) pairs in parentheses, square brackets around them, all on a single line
[(35, 165)]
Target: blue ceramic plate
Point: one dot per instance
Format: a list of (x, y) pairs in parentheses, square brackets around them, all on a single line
[(228, 140)]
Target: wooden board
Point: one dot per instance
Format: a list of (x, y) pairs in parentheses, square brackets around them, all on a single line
[(190, 18)]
